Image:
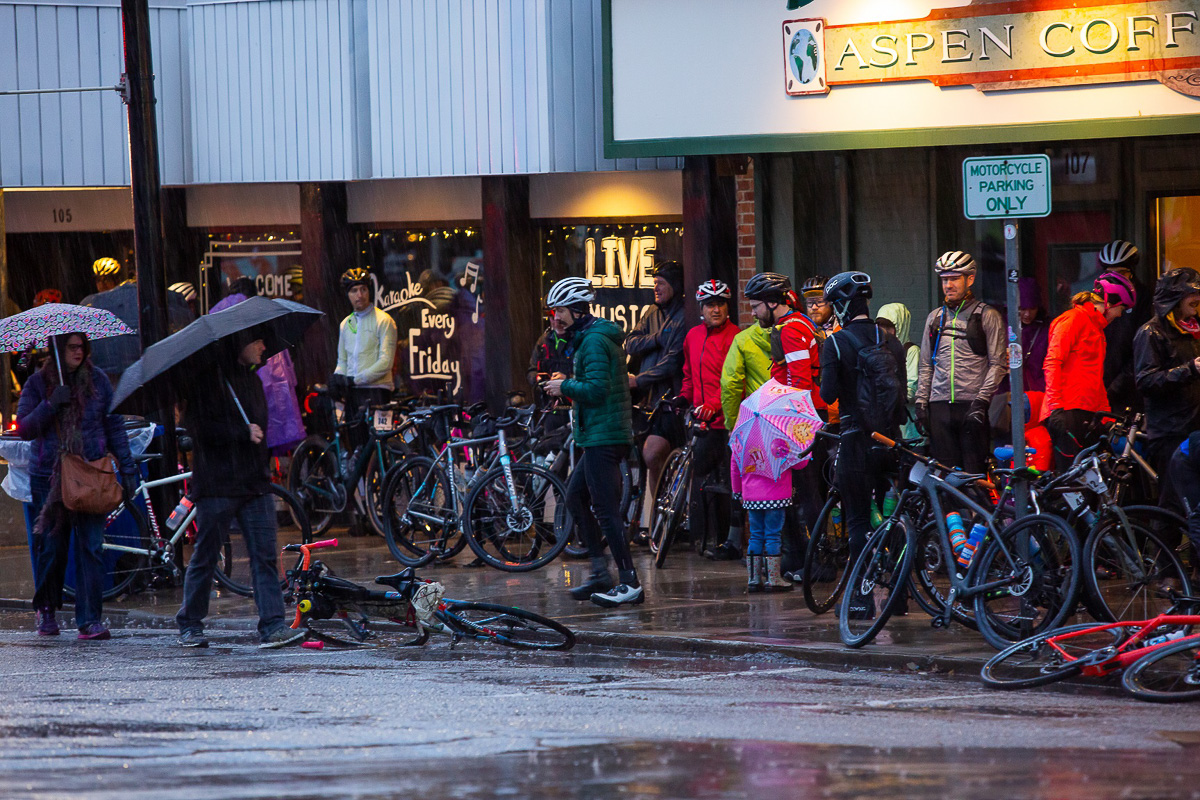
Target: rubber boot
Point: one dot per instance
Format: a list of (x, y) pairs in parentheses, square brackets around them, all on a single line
[(773, 580), (599, 581), (755, 570)]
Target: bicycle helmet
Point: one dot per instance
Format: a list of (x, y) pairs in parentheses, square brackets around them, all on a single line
[(571, 293), (184, 288), (844, 289), (713, 291), (769, 287), (1116, 289), (1119, 254), (355, 276), (955, 262), (814, 286), (106, 268), (47, 296)]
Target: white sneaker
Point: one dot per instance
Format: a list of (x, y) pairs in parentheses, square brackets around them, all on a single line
[(620, 595)]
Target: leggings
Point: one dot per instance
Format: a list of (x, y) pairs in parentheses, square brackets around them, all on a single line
[(594, 500)]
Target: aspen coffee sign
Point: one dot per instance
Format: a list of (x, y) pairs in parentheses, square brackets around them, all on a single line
[(1014, 45)]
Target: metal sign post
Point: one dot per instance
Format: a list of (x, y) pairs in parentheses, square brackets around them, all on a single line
[(1012, 188)]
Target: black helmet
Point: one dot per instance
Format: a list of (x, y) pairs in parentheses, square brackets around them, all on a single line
[(844, 289), (355, 276), (814, 286), (769, 287)]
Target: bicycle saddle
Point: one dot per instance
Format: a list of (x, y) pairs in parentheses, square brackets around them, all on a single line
[(960, 479), (396, 581)]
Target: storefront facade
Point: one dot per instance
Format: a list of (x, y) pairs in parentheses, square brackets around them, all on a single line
[(857, 116)]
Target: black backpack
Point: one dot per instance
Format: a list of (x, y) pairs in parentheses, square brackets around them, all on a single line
[(881, 390)]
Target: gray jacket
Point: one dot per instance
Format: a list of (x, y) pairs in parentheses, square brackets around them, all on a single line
[(955, 374)]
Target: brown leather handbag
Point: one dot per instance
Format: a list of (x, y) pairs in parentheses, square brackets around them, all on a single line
[(90, 487)]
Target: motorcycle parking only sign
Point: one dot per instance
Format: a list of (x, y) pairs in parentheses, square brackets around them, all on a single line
[(1011, 187)]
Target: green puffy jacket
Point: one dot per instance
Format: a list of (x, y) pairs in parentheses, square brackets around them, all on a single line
[(747, 367), (600, 387)]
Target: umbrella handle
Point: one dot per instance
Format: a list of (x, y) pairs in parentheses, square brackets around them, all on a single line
[(237, 403), (57, 358)]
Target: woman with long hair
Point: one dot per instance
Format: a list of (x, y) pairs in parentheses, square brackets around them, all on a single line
[(64, 409), (1074, 365)]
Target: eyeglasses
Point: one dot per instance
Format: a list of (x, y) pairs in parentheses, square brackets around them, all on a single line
[(75, 348)]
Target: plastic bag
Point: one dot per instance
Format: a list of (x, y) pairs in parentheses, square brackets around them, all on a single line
[(17, 453)]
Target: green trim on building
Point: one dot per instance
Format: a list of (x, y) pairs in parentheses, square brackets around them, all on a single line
[(869, 140)]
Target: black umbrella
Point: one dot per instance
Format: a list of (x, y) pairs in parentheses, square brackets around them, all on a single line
[(180, 357)]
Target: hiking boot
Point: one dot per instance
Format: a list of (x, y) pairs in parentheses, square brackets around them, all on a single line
[(641, 538), (754, 568), (726, 552), (598, 582), (282, 637), (620, 595), (772, 577), (192, 638), (47, 622), (94, 632)]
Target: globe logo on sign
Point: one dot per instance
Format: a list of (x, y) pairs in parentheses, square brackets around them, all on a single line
[(804, 56)]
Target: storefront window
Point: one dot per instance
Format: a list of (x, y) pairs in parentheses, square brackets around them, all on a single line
[(617, 257), (431, 281), (1178, 232), (271, 260)]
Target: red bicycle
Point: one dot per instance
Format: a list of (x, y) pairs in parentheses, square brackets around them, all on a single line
[(1159, 658)]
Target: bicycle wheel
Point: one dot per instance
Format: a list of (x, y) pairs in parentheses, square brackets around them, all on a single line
[(666, 482), (880, 573), (1168, 674), (517, 532), (670, 508), (1128, 570), (511, 627), (827, 562), (416, 489), (1034, 662), (126, 553), (315, 479), (237, 574), (931, 579), (1031, 597), (373, 480)]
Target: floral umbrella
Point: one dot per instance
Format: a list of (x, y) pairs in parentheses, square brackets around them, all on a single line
[(775, 430), (33, 328)]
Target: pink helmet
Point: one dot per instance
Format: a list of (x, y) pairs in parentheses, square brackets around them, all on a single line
[(1115, 288)]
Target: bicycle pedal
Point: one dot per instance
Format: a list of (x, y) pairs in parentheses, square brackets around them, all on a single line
[(937, 622)]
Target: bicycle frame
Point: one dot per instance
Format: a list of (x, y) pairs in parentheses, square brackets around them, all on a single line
[(144, 491), (358, 467), (446, 454), (1119, 657)]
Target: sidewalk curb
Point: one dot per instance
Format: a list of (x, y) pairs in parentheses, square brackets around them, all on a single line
[(824, 656), (696, 646)]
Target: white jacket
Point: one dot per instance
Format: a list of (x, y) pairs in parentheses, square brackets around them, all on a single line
[(367, 349)]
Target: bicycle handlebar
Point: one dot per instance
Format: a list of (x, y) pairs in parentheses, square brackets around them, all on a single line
[(320, 544)]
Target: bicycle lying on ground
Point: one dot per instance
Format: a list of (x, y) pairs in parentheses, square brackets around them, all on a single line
[(1159, 658), (408, 601)]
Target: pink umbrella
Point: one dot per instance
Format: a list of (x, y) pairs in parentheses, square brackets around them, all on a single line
[(775, 430), (35, 327)]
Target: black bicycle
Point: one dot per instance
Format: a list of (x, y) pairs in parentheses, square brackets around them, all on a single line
[(410, 601)]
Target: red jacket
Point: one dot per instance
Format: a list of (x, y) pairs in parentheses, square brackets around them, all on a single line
[(801, 365), (1075, 361), (704, 353)]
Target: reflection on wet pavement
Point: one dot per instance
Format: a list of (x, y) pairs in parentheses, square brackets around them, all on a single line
[(744, 769)]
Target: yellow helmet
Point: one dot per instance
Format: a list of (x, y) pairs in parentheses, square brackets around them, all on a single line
[(106, 268)]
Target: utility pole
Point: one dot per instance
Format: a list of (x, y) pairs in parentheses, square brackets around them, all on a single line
[(147, 195), (5, 366)]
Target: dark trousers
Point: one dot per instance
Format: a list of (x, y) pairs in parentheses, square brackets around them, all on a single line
[(860, 479), (256, 518), (357, 403), (1070, 430), (1159, 453), (84, 538), (954, 441), (594, 500), (710, 507), (1185, 478)]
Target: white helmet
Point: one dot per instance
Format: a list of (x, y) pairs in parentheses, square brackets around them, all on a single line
[(711, 291), (955, 262), (184, 288), (571, 292), (1120, 254)]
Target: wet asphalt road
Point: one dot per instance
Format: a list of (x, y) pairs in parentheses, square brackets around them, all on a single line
[(138, 717)]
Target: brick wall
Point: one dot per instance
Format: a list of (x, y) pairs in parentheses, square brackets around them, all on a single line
[(746, 254)]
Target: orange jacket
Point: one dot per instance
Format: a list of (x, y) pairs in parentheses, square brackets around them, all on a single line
[(1075, 362)]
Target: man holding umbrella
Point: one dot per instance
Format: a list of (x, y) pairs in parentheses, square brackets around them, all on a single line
[(231, 480)]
